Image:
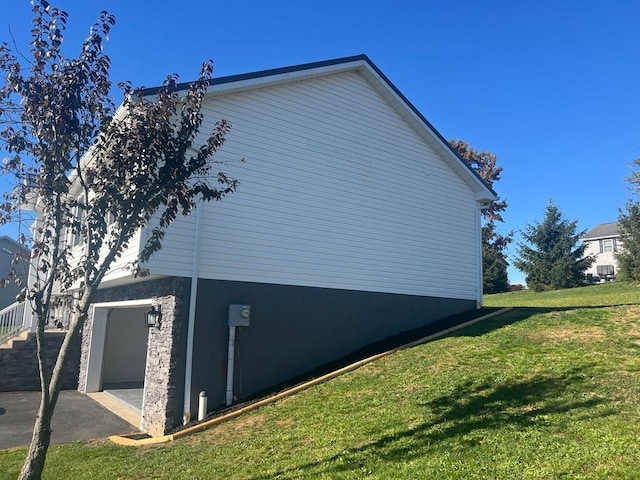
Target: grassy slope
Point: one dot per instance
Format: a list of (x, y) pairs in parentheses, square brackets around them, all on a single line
[(608, 294), (546, 391)]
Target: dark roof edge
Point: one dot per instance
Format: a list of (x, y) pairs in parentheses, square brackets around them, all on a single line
[(266, 73), (326, 63)]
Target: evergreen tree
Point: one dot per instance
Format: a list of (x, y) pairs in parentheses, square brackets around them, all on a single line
[(555, 259), (494, 262), (494, 244), (629, 256)]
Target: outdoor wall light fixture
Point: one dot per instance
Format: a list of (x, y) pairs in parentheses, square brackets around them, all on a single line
[(152, 317)]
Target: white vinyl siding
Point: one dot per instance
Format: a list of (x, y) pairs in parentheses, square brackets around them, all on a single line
[(337, 192), (122, 266), (176, 256), (603, 256)]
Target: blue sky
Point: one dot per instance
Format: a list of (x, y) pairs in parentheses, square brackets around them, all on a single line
[(551, 87)]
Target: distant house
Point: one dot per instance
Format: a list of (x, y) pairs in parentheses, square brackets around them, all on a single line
[(8, 250), (355, 220), (603, 242)]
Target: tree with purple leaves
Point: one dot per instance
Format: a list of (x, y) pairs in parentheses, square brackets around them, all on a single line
[(94, 174)]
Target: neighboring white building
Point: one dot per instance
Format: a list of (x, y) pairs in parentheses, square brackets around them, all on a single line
[(354, 220), (603, 242), (9, 248)]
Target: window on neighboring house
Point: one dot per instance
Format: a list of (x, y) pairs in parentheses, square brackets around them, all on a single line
[(608, 245), (604, 270)]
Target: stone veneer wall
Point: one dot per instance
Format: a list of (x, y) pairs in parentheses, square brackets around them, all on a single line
[(164, 375), (19, 364)]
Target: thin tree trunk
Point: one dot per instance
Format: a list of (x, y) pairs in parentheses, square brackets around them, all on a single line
[(34, 463), (41, 437), (50, 389)]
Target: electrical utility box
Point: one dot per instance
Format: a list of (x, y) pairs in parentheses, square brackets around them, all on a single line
[(239, 315)]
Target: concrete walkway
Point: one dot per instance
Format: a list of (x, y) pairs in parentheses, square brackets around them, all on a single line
[(126, 404), (76, 417)]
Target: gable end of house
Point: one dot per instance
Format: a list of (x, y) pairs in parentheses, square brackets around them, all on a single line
[(378, 80)]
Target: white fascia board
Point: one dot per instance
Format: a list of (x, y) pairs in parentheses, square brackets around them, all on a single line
[(593, 239), (482, 198), (145, 302), (281, 78)]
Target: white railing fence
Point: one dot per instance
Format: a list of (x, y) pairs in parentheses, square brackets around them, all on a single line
[(12, 321)]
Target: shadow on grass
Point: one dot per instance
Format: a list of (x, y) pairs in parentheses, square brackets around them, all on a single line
[(375, 348), (462, 416), (514, 315)]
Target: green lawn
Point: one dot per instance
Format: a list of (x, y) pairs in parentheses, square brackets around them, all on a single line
[(608, 294), (549, 390)]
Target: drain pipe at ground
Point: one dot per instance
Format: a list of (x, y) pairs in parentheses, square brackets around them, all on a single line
[(202, 406)]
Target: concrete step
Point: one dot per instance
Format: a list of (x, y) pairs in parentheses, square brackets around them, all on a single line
[(21, 337)]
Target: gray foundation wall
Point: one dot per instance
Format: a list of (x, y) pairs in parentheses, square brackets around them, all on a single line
[(295, 329)]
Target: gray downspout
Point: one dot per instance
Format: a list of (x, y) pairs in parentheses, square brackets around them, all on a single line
[(479, 294), (186, 416)]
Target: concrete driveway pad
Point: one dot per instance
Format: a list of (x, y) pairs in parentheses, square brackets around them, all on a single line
[(76, 417)]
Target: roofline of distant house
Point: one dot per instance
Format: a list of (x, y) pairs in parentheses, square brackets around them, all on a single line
[(15, 243), (601, 237), (5, 237), (326, 63)]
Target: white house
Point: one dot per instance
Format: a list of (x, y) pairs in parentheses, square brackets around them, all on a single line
[(603, 242), (354, 221)]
